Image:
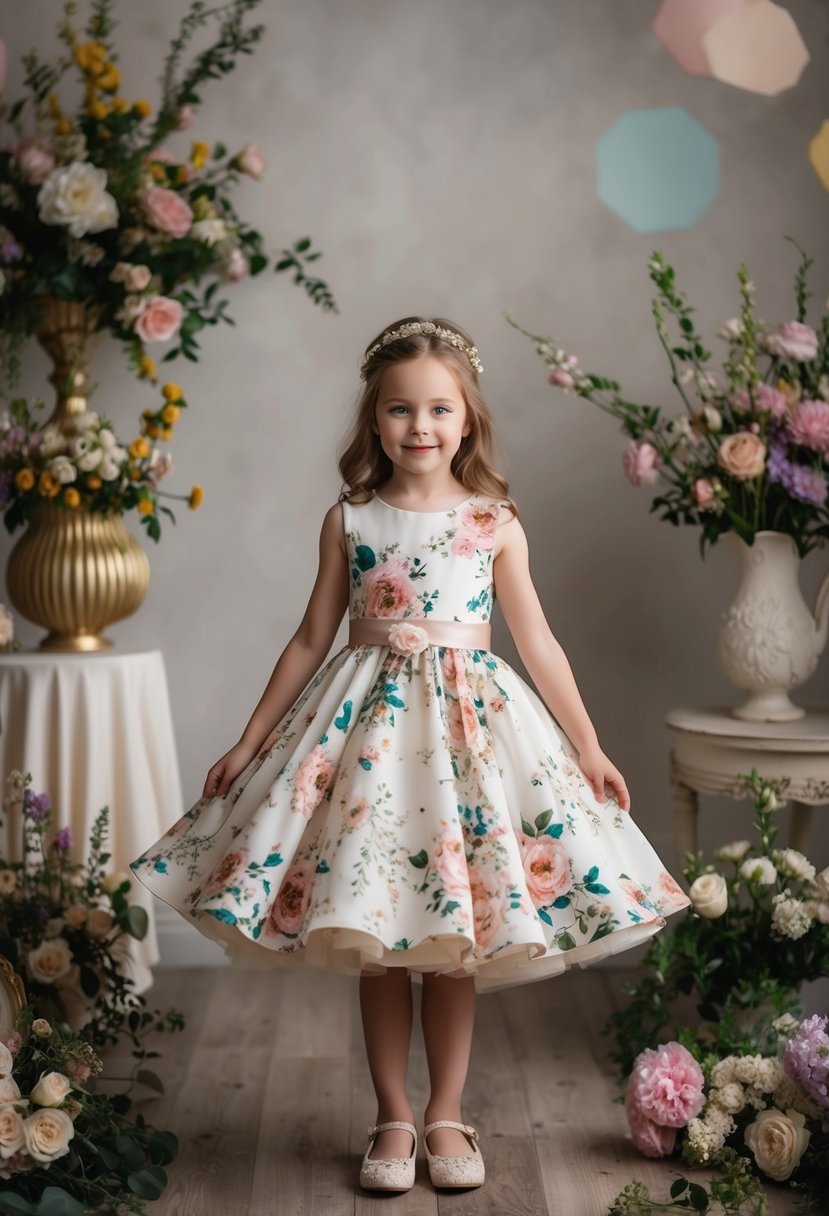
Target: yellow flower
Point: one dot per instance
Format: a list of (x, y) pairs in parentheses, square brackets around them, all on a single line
[(199, 153), (167, 434), (71, 497), (110, 80), (142, 107), (158, 172), (196, 498), (24, 479), (48, 485), (153, 430), (172, 391), (119, 104), (93, 481), (98, 109), (792, 392), (171, 413), (63, 127), (148, 413), (147, 366), (135, 472), (139, 448), (146, 507)]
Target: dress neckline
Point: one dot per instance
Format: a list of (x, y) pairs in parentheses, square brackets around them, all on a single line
[(404, 511)]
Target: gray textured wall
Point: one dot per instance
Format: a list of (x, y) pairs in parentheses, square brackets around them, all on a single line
[(442, 156)]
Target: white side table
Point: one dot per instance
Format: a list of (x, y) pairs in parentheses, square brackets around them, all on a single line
[(710, 747), (94, 731)]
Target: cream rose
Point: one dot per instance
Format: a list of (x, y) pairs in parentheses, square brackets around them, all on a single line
[(75, 197), (75, 915), (41, 1028), (709, 895), (6, 1061), (12, 1135), (407, 639), (48, 1133), (51, 1089), (778, 1141), (111, 882), (98, 923), (8, 878), (735, 851), (9, 1090), (50, 960), (743, 455), (250, 160)]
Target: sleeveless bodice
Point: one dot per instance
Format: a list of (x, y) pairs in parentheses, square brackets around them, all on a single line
[(421, 564)]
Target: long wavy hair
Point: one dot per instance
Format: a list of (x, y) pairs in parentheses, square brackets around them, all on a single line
[(364, 465)]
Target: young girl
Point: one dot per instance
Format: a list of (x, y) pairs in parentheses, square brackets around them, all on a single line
[(411, 807)]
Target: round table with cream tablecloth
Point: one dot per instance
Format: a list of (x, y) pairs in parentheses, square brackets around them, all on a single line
[(94, 731)]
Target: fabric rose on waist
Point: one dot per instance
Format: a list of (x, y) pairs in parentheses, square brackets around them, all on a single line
[(407, 639)]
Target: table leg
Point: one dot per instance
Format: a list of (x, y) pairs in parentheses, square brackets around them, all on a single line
[(686, 810), (800, 826)]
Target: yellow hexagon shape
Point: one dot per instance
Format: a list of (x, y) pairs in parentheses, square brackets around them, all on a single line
[(819, 153)]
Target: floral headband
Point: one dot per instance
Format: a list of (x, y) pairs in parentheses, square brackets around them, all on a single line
[(423, 327)]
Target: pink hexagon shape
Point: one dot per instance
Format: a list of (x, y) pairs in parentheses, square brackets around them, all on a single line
[(756, 47), (680, 25)]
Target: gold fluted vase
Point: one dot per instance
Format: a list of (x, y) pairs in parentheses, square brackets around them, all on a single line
[(74, 571)]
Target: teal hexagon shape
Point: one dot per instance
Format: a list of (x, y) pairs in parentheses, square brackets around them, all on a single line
[(658, 169)]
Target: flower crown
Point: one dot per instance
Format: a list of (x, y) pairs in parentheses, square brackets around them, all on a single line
[(423, 327)]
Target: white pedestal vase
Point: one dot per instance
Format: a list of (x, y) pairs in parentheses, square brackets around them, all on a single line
[(769, 640)]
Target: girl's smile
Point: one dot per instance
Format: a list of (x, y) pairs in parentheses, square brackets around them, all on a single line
[(420, 410)]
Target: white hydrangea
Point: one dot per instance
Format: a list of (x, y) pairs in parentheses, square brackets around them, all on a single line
[(730, 1097), (793, 864), (755, 1097), (735, 851), (721, 1122), (724, 1071), (769, 1072), (745, 1069), (785, 1024), (758, 869), (789, 917), (108, 470)]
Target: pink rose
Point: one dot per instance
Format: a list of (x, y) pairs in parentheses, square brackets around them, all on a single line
[(703, 493), (237, 266), (35, 161), (312, 780), (488, 907), (479, 522), (450, 863), (561, 378), (793, 340), (166, 210), (389, 591), (159, 319), (767, 400), (225, 872), (635, 892), (742, 454), (546, 868), (673, 897), (463, 545), (186, 117), (407, 639), (809, 425), (449, 669), (649, 1138), (78, 1070), (667, 1085), (641, 461), (455, 722), (250, 160), (288, 909)]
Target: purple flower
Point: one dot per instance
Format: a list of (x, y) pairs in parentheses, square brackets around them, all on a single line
[(806, 1058), (36, 806), (10, 251), (63, 838), (808, 484)]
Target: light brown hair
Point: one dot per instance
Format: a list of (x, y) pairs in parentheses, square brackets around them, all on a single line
[(365, 466)]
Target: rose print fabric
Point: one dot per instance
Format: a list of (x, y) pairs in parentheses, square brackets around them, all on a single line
[(421, 810)]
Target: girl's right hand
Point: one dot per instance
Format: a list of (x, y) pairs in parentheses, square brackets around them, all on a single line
[(225, 771)]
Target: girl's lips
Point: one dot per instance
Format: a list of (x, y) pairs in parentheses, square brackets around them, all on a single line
[(421, 448)]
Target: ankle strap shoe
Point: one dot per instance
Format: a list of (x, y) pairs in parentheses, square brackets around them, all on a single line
[(455, 1171), (390, 1173)]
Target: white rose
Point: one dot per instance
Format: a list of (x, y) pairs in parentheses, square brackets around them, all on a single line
[(735, 851), (41, 1028), (210, 232), (75, 197), (778, 1141), (108, 470), (250, 160), (758, 869), (709, 895), (90, 460), (75, 915), (106, 438), (793, 864), (63, 469), (6, 1061), (80, 446), (51, 1089), (6, 636), (111, 882), (98, 923), (12, 1135), (50, 960), (9, 1090), (53, 442), (48, 1132), (86, 421)]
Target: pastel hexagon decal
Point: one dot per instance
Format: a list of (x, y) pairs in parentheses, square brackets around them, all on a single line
[(819, 153), (756, 47), (658, 169), (679, 25)]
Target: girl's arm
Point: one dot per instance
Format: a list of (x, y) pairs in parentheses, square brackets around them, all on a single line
[(544, 658), (305, 652)]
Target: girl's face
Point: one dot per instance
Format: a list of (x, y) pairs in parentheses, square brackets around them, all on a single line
[(421, 414)]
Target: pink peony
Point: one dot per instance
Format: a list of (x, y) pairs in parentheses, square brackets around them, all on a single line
[(225, 872), (35, 161), (166, 210), (450, 863), (742, 454), (667, 1085), (546, 868), (479, 522), (288, 909), (673, 897), (313, 777), (809, 425), (78, 1070), (159, 319), (389, 590), (767, 400), (641, 461), (703, 492), (793, 340), (650, 1138)]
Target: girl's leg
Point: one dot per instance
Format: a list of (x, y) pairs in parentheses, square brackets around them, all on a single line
[(386, 1008), (447, 1014)]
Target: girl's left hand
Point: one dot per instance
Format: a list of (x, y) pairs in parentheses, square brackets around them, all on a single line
[(599, 771)]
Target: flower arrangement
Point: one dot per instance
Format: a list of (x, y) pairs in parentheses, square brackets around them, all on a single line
[(750, 449), (747, 1076), (8, 642), (94, 207), (81, 464)]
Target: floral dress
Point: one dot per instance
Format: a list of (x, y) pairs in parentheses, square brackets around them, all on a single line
[(422, 810)]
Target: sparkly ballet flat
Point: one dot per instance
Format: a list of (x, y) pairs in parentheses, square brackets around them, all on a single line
[(454, 1171), (391, 1173)]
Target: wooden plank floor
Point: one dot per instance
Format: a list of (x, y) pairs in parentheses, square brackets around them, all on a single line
[(269, 1093)]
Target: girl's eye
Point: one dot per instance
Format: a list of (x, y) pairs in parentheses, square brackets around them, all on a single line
[(403, 407)]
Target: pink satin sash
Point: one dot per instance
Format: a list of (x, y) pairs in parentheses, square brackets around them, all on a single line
[(465, 635)]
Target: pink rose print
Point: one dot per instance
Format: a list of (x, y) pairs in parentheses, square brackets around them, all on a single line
[(468, 713), (635, 892), (463, 545), (456, 730), (450, 862), (389, 590), (673, 895), (225, 872), (288, 909), (313, 778), (449, 665), (479, 523), (356, 812), (371, 754), (546, 868), (497, 704), (488, 908)]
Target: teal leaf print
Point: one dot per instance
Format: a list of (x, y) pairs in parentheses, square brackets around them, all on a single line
[(543, 819), (420, 568), (420, 860), (322, 867), (273, 859), (545, 916), (364, 557), (563, 901), (449, 907), (566, 942), (342, 722), (403, 944), (602, 929), (160, 865), (554, 830), (222, 914), (364, 763), (527, 828), (596, 888), (257, 929), (592, 874)]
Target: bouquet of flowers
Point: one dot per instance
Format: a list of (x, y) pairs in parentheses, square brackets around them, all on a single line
[(94, 207), (8, 642), (749, 450), (82, 464)]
